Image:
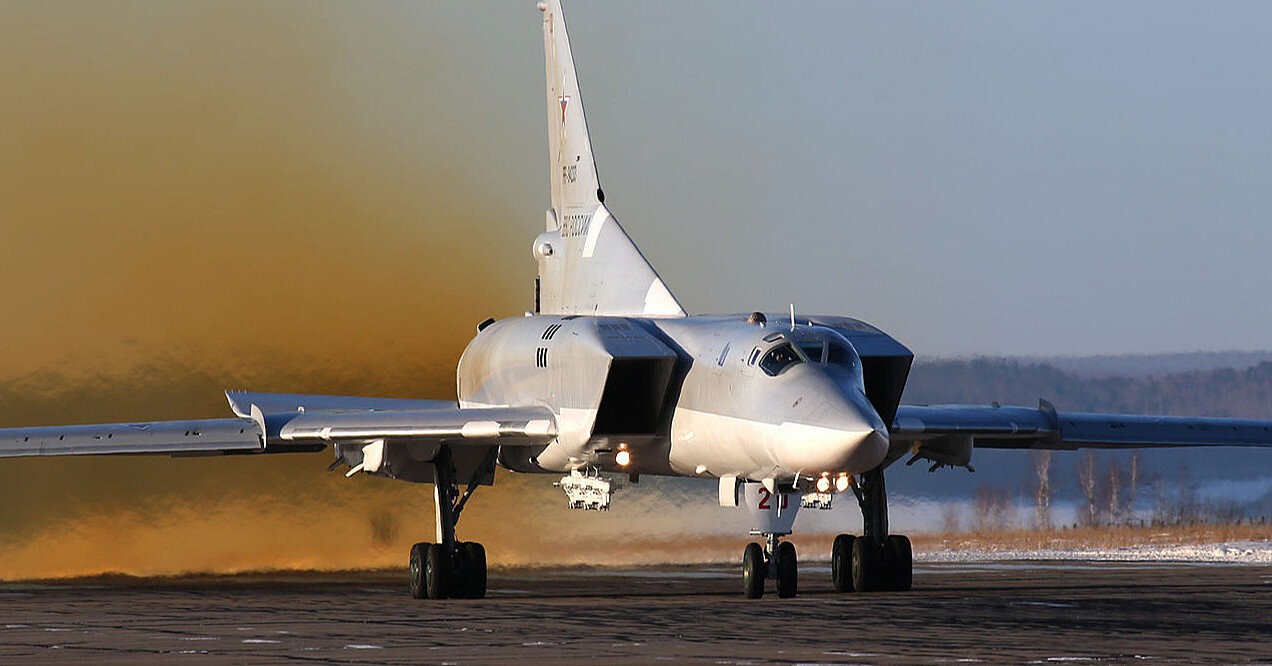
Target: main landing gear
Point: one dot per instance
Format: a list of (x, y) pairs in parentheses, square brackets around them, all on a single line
[(859, 564), (775, 560), (448, 569), (875, 561)]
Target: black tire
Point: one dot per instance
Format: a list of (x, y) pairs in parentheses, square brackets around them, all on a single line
[(437, 571), (867, 570), (473, 580), (787, 571), (841, 563), (900, 563), (416, 576), (754, 571)]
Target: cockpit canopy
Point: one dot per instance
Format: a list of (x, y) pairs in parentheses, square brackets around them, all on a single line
[(820, 346), (780, 358)]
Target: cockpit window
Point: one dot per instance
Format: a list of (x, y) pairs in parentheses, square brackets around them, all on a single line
[(813, 350), (780, 358), (843, 356)]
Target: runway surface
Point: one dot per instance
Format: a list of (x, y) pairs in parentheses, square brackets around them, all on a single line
[(993, 612)]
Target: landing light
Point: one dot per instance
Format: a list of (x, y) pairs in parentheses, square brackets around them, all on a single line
[(823, 484), (841, 483), (623, 458)]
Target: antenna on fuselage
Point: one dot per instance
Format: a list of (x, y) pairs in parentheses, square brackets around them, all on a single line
[(792, 316)]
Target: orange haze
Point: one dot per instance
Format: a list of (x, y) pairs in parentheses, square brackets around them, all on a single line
[(202, 195)]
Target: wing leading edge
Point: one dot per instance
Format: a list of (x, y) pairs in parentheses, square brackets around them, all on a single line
[(992, 426), (208, 437), (292, 423)]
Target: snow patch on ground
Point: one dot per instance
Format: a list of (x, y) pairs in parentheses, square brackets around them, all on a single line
[(1235, 552)]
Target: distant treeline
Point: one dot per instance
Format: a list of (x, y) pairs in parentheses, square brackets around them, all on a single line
[(1222, 392), (1108, 484)]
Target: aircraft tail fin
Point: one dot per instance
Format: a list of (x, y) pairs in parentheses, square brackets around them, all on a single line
[(587, 263)]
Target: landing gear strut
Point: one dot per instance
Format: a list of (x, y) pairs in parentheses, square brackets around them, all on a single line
[(449, 569), (776, 560), (875, 561)]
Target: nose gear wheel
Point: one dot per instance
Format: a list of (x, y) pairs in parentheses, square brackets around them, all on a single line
[(777, 561), (753, 571), (787, 571)]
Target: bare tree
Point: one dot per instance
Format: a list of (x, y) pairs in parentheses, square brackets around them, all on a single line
[(1180, 508), (1042, 488), (1188, 509), (1222, 511), (1116, 484), (1005, 510), (1088, 484), (993, 509), (1133, 480), (982, 508), (1161, 505)]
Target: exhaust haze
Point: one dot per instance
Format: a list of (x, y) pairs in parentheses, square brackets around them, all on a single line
[(273, 197), (210, 195)]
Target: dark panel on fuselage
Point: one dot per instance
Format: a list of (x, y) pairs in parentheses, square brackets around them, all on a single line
[(634, 397), (885, 382)]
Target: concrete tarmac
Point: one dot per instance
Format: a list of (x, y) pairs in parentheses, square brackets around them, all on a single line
[(1013, 612)]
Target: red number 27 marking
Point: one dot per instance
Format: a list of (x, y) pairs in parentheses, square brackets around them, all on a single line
[(765, 496)]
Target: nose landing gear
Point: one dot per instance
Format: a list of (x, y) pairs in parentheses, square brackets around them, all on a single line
[(754, 571), (449, 569), (776, 560)]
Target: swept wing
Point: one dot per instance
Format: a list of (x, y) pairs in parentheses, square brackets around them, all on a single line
[(992, 426), (210, 436), (291, 423)]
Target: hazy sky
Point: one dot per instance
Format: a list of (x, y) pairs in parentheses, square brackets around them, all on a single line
[(974, 177)]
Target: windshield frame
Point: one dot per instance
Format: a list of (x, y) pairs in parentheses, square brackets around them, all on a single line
[(784, 344), (805, 344)]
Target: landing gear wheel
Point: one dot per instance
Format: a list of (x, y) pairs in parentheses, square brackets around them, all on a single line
[(867, 566), (900, 563), (841, 562), (787, 570), (437, 571), (472, 569), (416, 581), (753, 571)]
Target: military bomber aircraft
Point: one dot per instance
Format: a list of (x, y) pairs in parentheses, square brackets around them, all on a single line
[(608, 377)]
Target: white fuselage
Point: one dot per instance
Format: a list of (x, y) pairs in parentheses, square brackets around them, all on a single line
[(706, 397)]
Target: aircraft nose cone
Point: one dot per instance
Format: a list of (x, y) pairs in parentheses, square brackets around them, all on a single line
[(854, 440), (812, 450), (867, 452)]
